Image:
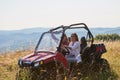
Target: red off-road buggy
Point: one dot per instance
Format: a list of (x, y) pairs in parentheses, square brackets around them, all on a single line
[(48, 62)]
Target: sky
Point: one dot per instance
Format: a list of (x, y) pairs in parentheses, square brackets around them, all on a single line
[(21, 14)]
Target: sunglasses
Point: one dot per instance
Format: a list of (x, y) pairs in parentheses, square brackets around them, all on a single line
[(72, 36)]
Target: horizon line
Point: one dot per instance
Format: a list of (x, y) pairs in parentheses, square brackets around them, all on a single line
[(15, 29)]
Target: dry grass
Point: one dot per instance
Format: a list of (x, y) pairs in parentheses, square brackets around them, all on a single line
[(8, 64), (9, 67), (113, 56)]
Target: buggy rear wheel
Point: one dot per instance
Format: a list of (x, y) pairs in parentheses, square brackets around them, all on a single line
[(105, 67)]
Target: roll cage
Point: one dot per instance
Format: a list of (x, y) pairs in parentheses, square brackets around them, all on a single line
[(63, 29)]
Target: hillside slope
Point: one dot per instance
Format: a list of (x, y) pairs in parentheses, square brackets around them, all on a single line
[(9, 67), (24, 39)]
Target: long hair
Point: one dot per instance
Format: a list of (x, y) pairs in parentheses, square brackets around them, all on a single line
[(76, 36)]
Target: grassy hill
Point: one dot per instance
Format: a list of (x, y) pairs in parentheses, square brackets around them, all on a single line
[(9, 67)]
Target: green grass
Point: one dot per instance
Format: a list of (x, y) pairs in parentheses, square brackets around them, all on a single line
[(9, 67)]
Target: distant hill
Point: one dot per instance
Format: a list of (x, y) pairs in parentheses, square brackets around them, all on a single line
[(96, 31), (19, 39), (24, 39)]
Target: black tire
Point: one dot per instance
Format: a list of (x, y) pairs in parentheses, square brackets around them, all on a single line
[(74, 72), (23, 74), (49, 71), (104, 65)]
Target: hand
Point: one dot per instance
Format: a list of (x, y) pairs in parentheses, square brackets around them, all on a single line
[(67, 47)]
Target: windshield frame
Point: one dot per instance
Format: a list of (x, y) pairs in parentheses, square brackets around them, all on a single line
[(50, 31), (64, 28)]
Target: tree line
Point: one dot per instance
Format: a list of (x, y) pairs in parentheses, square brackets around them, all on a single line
[(107, 37)]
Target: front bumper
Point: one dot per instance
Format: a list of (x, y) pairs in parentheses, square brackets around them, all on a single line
[(22, 63)]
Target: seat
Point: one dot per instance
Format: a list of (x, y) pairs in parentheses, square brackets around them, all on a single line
[(71, 58), (83, 44)]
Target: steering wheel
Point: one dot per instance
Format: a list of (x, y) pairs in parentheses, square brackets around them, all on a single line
[(67, 50)]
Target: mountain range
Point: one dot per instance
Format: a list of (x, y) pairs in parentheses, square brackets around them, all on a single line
[(24, 39)]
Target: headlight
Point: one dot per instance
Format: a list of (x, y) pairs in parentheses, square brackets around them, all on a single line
[(20, 62), (36, 64)]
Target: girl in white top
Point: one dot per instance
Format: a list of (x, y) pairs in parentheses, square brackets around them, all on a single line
[(74, 46)]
